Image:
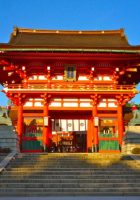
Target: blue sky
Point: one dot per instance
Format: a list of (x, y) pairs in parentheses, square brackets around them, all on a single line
[(70, 14)]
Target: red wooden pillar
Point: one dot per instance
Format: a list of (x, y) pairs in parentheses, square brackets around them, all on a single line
[(50, 133), (95, 127), (46, 127), (90, 134), (20, 123), (120, 124)]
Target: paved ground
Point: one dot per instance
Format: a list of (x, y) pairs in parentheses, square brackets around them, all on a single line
[(72, 198)]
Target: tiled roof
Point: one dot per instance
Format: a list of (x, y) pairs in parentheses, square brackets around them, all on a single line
[(68, 39)]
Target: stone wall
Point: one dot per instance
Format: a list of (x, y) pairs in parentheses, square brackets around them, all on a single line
[(131, 140), (8, 138)]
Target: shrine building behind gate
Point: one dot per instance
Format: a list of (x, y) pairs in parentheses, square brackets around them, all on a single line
[(69, 88)]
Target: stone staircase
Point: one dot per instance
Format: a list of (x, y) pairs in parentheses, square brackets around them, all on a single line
[(2, 156), (71, 174)]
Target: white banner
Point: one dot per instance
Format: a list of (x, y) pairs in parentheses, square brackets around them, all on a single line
[(82, 125), (70, 125), (57, 126), (76, 125), (63, 125), (96, 121)]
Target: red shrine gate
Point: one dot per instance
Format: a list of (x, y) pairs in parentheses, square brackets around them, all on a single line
[(69, 88), (71, 129), (71, 135), (66, 135)]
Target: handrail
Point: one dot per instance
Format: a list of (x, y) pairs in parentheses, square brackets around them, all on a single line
[(6, 160)]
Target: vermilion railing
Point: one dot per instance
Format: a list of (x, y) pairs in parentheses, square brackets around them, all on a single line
[(72, 86)]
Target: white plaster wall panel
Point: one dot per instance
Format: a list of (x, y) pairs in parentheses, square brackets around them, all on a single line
[(70, 104)]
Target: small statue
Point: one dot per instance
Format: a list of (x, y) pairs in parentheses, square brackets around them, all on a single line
[(4, 115), (136, 112), (136, 116)]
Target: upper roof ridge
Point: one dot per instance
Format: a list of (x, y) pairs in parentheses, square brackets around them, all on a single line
[(90, 32)]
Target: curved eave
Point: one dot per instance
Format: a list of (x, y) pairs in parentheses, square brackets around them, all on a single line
[(29, 90), (3, 50)]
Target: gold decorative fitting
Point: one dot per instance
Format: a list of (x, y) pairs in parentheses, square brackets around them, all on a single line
[(15, 31), (10, 73), (117, 69), (23, 68), (48, 68)]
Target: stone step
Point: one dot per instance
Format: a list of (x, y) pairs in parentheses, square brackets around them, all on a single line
[(70, 174), (89, 156), (88, 162), (67, 160), (73, 162), (83, 163), (72, 154), (52, 191), (54, 165), (80, 172), (66, 173), (76, 167), (82, 176), (96, 166), (70, 180), (73, 168), (61, 168), (69, 193), (73, 158), (68, 185)]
